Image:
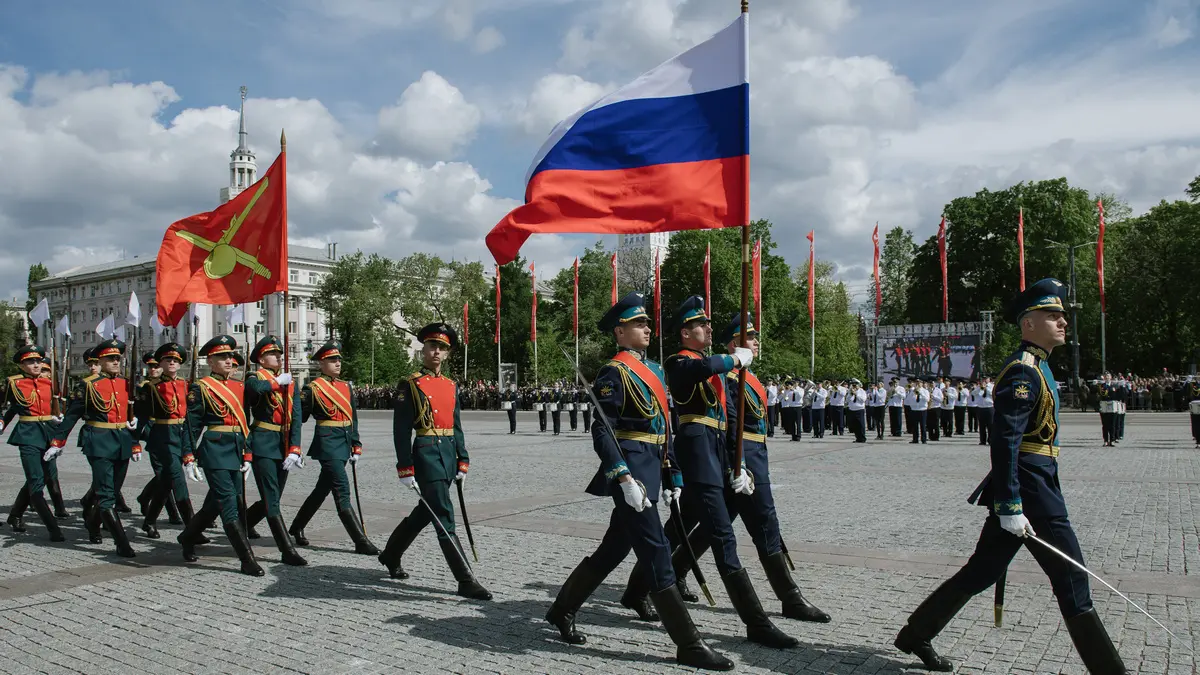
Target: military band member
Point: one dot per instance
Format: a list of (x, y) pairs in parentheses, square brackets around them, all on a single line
[(1107, 392), (216, 415), (984, 410), (28, 398), (699, 386), (102, 403), (972, 408), (427, 408), (273, 407), (513, 400), (1022, 495), (949, 401), (960, 408), (933, 413), (163, 425), (330, 401), (572, 399), (896, 397), (920, 405), (633, 397), (1193, 397), (587, 411), (556, 399), (856, 408)]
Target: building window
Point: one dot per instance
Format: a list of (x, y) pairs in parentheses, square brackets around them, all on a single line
[(239, 328), (262, 306), (312, 328), (294, 276), (291, 327), (295, 304), (259, 327)]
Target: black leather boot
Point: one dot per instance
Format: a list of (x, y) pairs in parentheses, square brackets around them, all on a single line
[(241, 546), (362, 545), (584, 581), (150, 514), (55, 489), (759, 628), (795, 606), (254, 516), (402, 537), (684, 591), (92, 522), (1094, 645), (186, 514), (147, 493), (637, 593), (468, 587), (122, 507), (682, 562), (926, 621), (173, 516), (112, 520), (288, 552), (16, 514), (307, 510), (47, 516), (690, 649), (193, 531)]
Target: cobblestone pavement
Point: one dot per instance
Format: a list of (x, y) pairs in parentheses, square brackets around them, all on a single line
[(872, 529)]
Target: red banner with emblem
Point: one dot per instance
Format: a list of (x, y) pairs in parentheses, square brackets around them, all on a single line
[(497, 338)]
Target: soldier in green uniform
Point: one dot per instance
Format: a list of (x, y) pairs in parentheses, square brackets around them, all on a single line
[(53, 487), (275, 412), (216, 409), (164, 428), (144, 410), (28, 398), (427, 407), (330, 401), (102, 403)]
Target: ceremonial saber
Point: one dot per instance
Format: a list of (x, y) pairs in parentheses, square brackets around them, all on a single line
[(357, 500), (998, 609), (1110, 587), (681, 531), (462, 507), (587, 386), (438, 525)]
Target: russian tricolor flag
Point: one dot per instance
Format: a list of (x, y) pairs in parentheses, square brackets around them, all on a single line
[(669, 151)]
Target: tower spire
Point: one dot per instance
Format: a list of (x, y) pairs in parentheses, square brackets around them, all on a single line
[(243, 170), (242, 147)]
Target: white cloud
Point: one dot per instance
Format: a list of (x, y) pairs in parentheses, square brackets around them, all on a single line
[(554, 98), (432, 120), (488, 39)]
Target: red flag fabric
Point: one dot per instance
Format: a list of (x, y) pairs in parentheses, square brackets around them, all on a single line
[(234, 254), (812, 277), (575, 316), (533, 312), (707, 280), (1021, 244), (466, 330), (657, 295), (756, 284), (878, 288), (614, 271), (942, 256), (497, 339), (1100, 255)]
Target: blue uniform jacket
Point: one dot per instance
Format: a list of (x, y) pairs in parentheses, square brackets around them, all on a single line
[(1024, 439), (700, 441), (641, 431), (754, 438)]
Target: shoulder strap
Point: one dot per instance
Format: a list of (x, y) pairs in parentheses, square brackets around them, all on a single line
[(331, 392), (227, 397), (647, 377)]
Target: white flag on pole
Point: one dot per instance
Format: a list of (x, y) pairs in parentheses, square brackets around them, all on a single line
[(156, 325), (64, 326), (134, 317), (119, 332), (40, 314), (235, 315), (105, 328)]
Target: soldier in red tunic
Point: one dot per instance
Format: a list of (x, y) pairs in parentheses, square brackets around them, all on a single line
[(28, 399)]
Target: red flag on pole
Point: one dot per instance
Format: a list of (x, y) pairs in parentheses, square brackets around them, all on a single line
[(657, 295), (575, 316), (756, 284), (707, 280), (497, 341), (533, 312), (942, 256), (1021, 244), (1100, 254), (812, 277), (878, 288), (614, 271), (466, 331)]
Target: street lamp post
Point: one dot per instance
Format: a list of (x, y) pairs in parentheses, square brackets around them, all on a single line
[(1074, 306)]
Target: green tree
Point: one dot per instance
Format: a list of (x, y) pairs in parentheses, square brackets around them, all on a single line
[(359, 297), (595, 295), (434, 290), (516, 303), (895, 265)]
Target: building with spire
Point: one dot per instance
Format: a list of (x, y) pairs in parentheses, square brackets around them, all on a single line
[(90, 293)]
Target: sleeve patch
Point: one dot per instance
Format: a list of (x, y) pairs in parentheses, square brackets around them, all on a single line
[(1021, 390), (606, 390)]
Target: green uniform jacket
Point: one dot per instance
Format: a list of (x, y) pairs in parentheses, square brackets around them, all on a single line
[(427, 457), (36, 434), (150, 407), (217, 449), (78, 391), (265, 401), (330, 442), (87, 403)]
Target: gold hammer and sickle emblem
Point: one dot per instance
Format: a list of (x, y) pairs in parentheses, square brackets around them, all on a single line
[(223, 258)]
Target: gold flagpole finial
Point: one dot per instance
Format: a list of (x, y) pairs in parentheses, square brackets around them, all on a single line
[(282, 140), (745, 6)]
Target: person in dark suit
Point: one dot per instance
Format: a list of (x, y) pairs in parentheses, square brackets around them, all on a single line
[(1022, 495)]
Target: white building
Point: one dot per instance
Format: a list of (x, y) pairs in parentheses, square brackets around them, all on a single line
[(636, 254), (90, 293)]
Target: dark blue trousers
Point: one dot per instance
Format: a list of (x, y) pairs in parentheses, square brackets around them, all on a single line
[(758, 515), (706, 506), (643, 534)]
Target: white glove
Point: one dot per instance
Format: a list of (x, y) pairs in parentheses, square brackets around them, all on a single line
[(461, 477), (354, 458), (1, 425), (192, 472), (132, 424), (635, 495), (671, 495), (292, 462), (408, 481), (1017, 525), (743, 484), (55, 418), (50, 454), (284, 379), (245, 467), (137, 456), (744, 356)]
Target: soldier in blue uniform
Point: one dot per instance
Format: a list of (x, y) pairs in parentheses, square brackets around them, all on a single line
[(1022, 495), (632, 395), (699, 387)]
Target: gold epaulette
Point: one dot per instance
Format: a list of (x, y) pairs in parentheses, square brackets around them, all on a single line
[(414, 376)]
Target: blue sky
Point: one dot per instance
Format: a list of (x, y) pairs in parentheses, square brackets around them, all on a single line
[(412, 124)]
